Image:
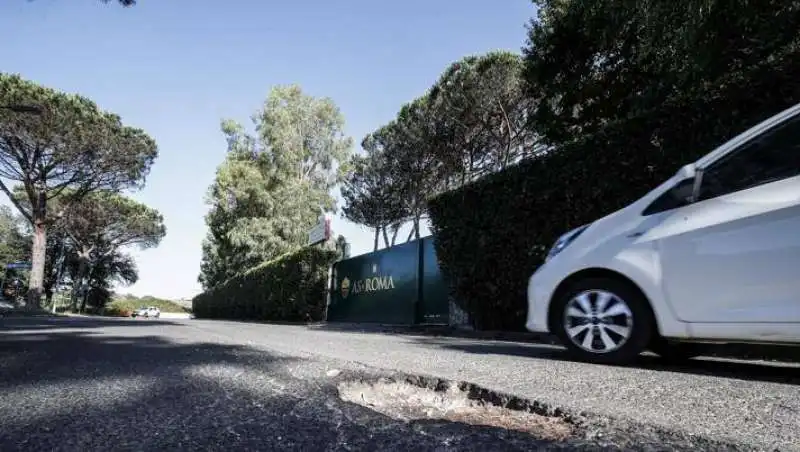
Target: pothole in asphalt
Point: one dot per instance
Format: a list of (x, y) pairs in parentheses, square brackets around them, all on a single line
[(405, 401)]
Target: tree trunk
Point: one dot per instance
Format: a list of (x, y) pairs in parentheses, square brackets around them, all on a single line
[(385, 237), (377, 237), (85, 294), (38, 255), (395, 230), (77, 282), (83, 301), (61, 269)]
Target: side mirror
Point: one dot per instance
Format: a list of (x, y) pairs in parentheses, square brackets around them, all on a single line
[(683, 191), (688, 189)]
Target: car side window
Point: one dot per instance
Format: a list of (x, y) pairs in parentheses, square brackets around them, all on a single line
[(772, 156), (673, 198)]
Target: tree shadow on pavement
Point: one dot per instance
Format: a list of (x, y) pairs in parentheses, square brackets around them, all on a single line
[(60, 322), (749, 371), (90, 390), (80, 356)]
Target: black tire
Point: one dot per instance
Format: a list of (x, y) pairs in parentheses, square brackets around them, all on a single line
[(676, 352), (642, 327)]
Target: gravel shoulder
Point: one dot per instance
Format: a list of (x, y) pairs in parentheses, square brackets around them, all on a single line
[(89, 384)]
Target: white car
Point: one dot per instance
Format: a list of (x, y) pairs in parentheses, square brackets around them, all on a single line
[(149, 312), (711, 255)]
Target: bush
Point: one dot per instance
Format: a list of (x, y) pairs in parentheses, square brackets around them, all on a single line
[(290, 288), (491, 235), (114, 311), (133, 303)]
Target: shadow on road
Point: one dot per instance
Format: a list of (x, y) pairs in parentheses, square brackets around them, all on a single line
[(41, 357), (742, 370), (86, 388), (60, 322)]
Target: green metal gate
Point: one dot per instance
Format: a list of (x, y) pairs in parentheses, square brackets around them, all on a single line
[(398, 285), (433, 306), (379, 287)]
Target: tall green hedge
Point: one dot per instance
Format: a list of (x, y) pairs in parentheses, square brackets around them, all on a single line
[(289, 288), (491, 235)]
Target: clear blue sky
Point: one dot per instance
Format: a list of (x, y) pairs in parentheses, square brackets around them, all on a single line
[(176, 67)]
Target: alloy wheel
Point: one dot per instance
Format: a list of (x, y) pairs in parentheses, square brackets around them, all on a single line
[(598, 321)]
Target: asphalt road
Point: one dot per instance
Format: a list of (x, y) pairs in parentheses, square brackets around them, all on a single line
[(88, 384)]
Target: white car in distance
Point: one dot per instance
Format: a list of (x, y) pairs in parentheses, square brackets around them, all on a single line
[(712, 255), (148, 312)]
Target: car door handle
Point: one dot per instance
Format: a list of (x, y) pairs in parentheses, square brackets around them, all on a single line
[(633, 235)]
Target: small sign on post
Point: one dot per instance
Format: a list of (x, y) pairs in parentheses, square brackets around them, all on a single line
[(321, 231), (25, 265)]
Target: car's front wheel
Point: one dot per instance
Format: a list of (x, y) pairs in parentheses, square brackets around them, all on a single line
[(603, 320)]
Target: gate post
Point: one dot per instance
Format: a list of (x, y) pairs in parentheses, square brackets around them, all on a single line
[(418, 308), (328, 290)]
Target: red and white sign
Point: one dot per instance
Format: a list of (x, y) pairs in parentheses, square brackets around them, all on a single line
[(321, 231)]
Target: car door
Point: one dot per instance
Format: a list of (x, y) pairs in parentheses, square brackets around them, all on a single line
[(733, 256)]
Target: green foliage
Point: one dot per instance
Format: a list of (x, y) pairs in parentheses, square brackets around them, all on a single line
[(292, 287), (371, 191), (51, 142), (86, 242), (602, 61), (105, 221), (342, 247), (130, 303), (491, 235), (479, 116), (272, 187), (470, 123), (15, 242), (114, 311), (69, 144), (101, 275)]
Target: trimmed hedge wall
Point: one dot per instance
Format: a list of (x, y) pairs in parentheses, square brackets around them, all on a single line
[(491, 235), (290, 288)]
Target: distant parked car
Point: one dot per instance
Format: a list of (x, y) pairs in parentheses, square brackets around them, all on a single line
[(148, 312)]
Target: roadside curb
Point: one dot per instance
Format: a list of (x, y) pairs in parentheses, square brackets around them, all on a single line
[(786, 354), (29, 314), (436, 330)]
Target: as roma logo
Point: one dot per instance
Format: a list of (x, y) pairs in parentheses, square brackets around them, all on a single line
[(345, 287)]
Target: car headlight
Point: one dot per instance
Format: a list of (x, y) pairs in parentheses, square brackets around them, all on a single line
[(564, 241)]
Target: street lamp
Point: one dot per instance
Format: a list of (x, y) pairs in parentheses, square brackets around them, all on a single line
[(31, 109)]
